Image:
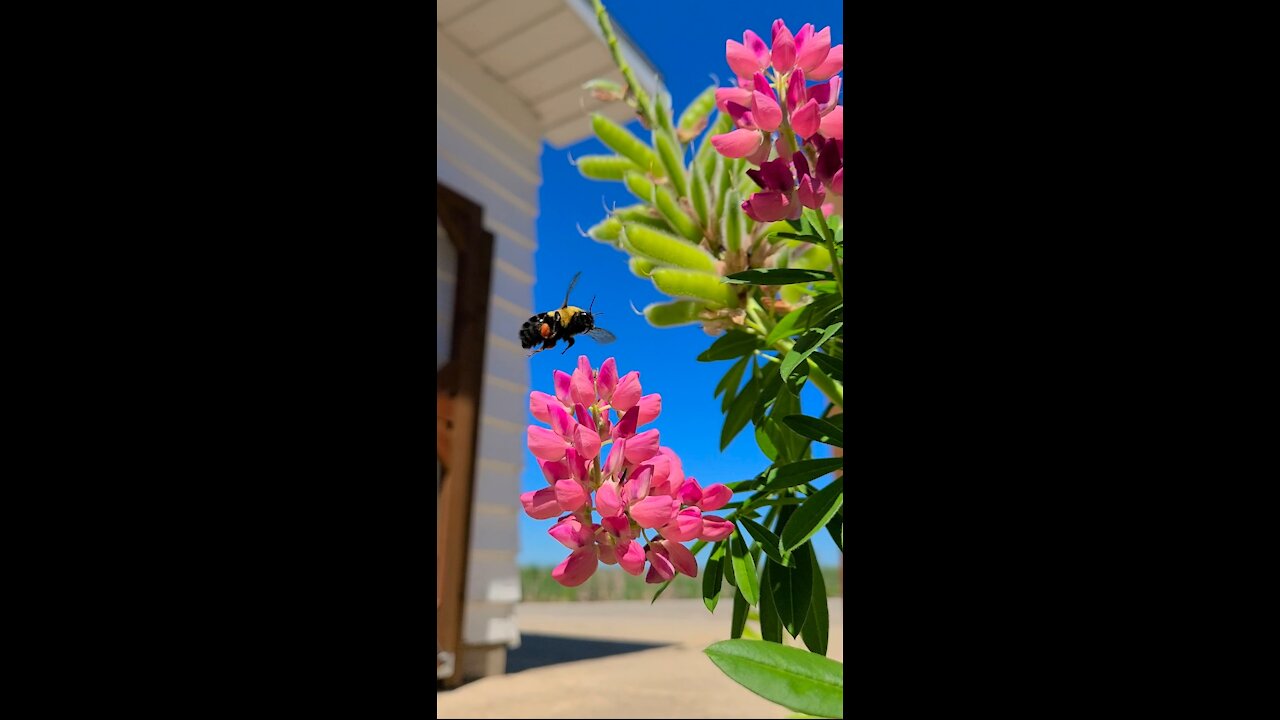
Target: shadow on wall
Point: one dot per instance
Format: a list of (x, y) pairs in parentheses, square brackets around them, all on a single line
[(539, 650)]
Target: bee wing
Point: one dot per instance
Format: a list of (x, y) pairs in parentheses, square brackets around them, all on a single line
[(572, 282), (601, 335)]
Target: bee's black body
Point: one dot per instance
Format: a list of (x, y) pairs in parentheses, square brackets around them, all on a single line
[(550, 327)]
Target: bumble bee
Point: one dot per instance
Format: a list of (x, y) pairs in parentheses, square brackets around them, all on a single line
[(548, 327)]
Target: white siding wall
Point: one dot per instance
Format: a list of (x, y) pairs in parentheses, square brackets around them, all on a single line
[(487, 149)]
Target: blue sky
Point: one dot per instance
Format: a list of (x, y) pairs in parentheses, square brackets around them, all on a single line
[(685, 40)]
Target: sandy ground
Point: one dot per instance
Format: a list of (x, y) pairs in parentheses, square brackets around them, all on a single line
[(618, 660)]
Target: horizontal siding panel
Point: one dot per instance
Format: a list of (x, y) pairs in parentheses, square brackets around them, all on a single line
[(514, 255), (456, 111), (504, 406), (461, 75), (493, 22), (493, 581), (467, 185), (498, 486), (584, 62), (493, 532), (535, 43), (453, 133), (523, 184), (489, 623)]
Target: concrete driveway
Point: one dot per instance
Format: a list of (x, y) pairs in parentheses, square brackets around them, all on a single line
[(624, 659)]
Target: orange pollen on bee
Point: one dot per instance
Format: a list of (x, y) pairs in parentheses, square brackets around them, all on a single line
[(546, 330)]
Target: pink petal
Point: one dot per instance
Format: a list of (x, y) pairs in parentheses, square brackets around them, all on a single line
[(608, 554), (618, 526), (643, 446), (607, 380), (660, 567), (724, 96), (554, 471), (690, 492), (715, 529), (568, 532), (827, 95), (811, 193), (538, 406), (767, 206), (561, 423), (805, 120), (640, 484), (608, 501), (833, 123), (650, 407), (570, 494), (681, 558), (626, 427), (740, 58), (795, 90), (676, 475), (758, 157), (776, 175), (562, 381), (832, 65), (631, 557), (540, 504), (546, 444), (582, 387), (686, 525), (587, 442), (758, 48), (617, 456), (784, 50), (813, 51), (736, 144), (583, 415), (766, 111), (577, 465), (715, 497), (654, 511), (580, 565), (777, 27), (627, 394), (837, 182)]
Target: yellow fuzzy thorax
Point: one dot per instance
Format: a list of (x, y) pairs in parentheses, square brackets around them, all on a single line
[(565, 314)]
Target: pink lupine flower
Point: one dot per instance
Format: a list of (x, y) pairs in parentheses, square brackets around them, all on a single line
[(809, 188), (776, 201), (747, 57), (833, 64), (647, 506), (830, 168), (783, 55), (812, 48)]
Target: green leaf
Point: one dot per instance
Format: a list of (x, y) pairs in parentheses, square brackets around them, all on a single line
[(768, 394), (820, 306), (770, 623), (740, 608), (778, 276), (797, 473), (731, 381), (835, 528), (811, 340), (795, 236), (817, 625), (787, 404), (815, 429), (792, 587), (732, 344), (739, 412), (785, 327), (829, 365), (778, 437), (766, 443), (813, 514), (793, 678), (711, 577), (744, 569), (769, 542)]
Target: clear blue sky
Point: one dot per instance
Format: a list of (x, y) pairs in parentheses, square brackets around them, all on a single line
[(685, 40)]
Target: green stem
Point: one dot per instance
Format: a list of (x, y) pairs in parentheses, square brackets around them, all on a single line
[(788, 135), (643, 104), (829, 242)]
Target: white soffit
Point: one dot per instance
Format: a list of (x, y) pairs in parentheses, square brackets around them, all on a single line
[(541, 52)]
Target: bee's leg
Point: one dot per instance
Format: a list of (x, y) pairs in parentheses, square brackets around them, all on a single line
[(566, 347)]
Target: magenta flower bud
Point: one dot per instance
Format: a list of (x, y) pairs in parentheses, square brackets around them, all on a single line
[(586, 441), (784, 50), (715, 497), (660, 567), (546, 444), (562, 382), (685, 526), (811, 193), (608, 501), (812, 51), (650, 407), (807, 119), (540, 504), (832, 65), (681, 558), (833, 123), (795, 90), (627, 393), (617, 457), (626, 426), (642, 446), (538, 406), (631, 557), (570, 494), (607, 380), (577, 568), (561, 423), (715, 529), (690, 492), (655, 511)]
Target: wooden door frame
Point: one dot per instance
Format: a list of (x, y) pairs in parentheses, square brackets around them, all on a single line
[(458, 392)]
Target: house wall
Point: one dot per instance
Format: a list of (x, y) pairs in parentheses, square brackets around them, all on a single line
[(486, 152)]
